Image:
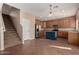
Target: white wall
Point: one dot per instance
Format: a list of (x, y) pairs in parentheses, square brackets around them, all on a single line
[(1, 34), (15, 17), (1, 39), (77, 20), (28, 24), (1, 29)]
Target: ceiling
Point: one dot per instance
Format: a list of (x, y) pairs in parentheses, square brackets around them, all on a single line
[(41, 10)]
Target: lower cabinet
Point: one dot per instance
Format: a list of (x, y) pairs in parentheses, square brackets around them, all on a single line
[(73, 38), (42, 35), (62, 34)]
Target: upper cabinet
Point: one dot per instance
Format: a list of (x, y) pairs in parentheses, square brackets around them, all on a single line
[(41, 23), (68, 22)]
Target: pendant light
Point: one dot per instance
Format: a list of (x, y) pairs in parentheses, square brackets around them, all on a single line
[(50, 13)]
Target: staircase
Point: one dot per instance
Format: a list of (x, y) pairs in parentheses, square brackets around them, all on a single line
[(10, 37)]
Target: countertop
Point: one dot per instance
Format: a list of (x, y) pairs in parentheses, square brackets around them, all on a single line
[(69, 30), (62, 29)]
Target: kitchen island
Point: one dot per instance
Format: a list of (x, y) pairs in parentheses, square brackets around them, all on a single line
[(70, 34), (62, 32)]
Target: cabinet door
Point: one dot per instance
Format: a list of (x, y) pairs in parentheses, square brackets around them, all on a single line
[(62, 34), (43, 24), (42, 34), (65, 34), (73, 38), (59, 33)]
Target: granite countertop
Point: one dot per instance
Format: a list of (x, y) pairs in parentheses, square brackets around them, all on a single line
[(75, 31), (69, 30), (62, 29)]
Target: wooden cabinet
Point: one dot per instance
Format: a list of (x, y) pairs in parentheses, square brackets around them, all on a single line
[(62, 34), (73, 38), (68, 22), (43, 24), (42, 35), (59, 33)]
